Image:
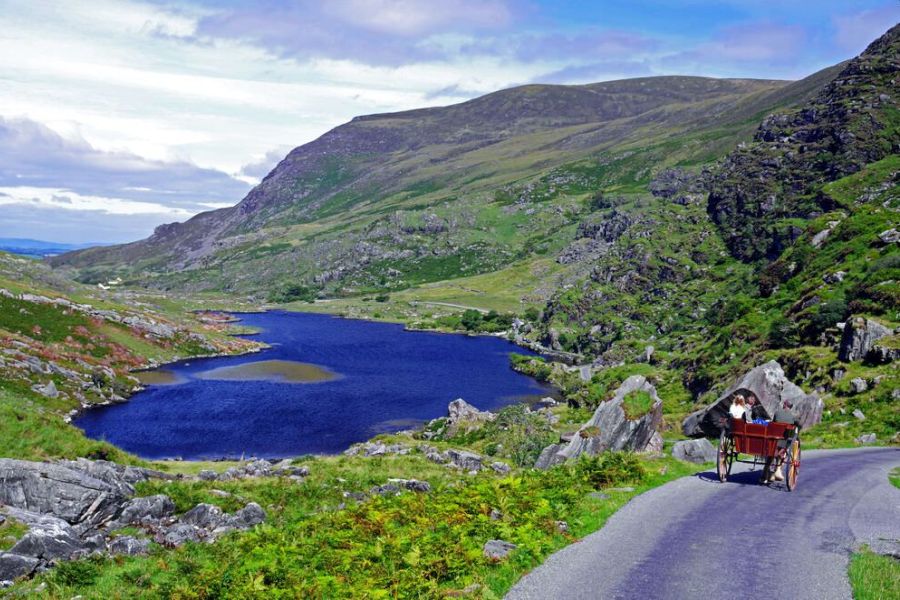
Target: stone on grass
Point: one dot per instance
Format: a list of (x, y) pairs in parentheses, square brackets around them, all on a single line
[(859, 414), (146, 509), (858, 385), (858, 338), (867, 438), (206, 516), (500, 467), (696, 451), (497, 550)]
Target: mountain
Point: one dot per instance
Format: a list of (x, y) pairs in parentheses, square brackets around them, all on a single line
[(387, 201)]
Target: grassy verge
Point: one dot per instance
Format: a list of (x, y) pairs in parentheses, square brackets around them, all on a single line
[(872, 576)]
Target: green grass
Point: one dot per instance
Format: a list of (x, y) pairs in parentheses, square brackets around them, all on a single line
[(637, 404), (874, 577), (29, 431), (10, 531)]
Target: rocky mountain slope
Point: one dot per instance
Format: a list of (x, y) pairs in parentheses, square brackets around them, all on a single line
[(389, 201)]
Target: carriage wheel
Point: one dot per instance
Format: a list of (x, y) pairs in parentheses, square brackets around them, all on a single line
[(724, 457), (793, 465)]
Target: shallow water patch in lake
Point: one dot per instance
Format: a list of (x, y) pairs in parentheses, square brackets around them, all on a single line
[(284, 371), (159, 377)]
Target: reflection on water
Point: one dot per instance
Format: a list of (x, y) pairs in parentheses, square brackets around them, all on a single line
[(281, 371), (159, 377)]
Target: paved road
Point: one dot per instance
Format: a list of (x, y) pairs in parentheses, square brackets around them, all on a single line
[(698, 538)]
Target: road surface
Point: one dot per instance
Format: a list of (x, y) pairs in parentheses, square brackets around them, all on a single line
[(699, 538)]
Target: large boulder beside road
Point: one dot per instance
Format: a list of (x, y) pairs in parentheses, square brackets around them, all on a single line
[(610, 428), (771, 386)]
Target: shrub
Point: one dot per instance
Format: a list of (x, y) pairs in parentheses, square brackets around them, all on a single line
[(79, 573), (609, 468)]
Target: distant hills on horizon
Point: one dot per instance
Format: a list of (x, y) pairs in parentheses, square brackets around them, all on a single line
[(41, 248)]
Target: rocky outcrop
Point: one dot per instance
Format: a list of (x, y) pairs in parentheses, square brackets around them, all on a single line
[(73, 509), (771, 386), (859, 338), (462, 417), (257, 468), (70, 494), (695, 451), (610, 428), (760, 190)]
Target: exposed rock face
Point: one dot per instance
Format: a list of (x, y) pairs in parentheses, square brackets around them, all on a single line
[(695, 451), (54, 489), (149, 508), (458, 459), (610, 428), (129, 546), (770, 385), (859, 338), (867, 438)]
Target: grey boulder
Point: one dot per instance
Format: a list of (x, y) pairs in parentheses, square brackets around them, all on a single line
[(206, 516), (696, 451), (249, 516), (463, 459), (497, 550), (610, 428), (463, 417), (14, 566), (771, 386), (48, 538), (859, 337), (180, 534), (146, 509), (867, 438)]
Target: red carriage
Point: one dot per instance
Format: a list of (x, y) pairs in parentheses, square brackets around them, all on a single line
[(773, 444)]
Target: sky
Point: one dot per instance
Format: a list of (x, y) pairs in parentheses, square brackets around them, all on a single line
[(119, 115)]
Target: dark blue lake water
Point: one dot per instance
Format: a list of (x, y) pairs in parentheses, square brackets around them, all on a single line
[(388, 379)]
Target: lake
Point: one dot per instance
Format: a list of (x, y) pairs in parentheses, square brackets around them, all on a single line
[(325, 384)]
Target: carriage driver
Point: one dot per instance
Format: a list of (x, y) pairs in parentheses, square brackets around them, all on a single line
[(783, 414)]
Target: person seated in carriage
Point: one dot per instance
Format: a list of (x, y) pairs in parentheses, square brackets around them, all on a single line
[(738, 408), (756, 412)]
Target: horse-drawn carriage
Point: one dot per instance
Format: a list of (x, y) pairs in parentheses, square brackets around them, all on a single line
[(773, 444)]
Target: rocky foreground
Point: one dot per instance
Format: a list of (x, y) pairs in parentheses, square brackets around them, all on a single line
[(73, 509)]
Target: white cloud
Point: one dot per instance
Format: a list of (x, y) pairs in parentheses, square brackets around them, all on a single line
[(64, 199)]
